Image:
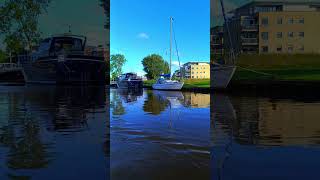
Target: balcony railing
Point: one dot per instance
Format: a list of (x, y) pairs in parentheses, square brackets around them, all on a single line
[(253, 27), (249, 41)]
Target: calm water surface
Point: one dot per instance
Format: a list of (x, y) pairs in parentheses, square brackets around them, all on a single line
[(159, 135), (263, 137), (49, 132)]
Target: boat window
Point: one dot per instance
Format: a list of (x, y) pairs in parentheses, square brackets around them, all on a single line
[(67, 44), (44, 45)]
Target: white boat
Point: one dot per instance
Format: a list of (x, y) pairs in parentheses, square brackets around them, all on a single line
[(163, 84), (168, 84), (221, 75)]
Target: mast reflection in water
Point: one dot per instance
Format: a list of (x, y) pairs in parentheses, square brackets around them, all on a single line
[(264, 137), (159, 135), (49, 132)]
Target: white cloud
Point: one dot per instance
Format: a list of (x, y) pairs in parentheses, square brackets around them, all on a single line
[(143, 35), (175, 63)]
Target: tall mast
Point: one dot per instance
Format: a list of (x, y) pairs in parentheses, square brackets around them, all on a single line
[(170, 43), (228, 31)]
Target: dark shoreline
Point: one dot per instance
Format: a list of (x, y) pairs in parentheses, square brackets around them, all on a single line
[(261, 86)]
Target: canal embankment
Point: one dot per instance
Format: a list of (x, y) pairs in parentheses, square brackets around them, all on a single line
[(277, 71)]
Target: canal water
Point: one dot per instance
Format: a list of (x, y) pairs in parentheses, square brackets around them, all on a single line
[(265, 137), (159, 135), (49, 132)]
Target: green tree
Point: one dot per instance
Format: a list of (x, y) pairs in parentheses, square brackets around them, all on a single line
[(154, 65), (3, 56), (116, 63), (19, 23)]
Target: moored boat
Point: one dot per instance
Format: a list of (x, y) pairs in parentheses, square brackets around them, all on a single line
[(61, 59), (129, 80), (221, 75), (168, 84)]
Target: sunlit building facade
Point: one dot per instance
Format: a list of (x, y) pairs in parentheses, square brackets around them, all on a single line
[(275, 28), (196, 70)]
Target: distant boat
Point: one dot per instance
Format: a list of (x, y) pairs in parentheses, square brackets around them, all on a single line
[(167, 84), (221, 75), (61, 59), (129, 80), (11, 73)]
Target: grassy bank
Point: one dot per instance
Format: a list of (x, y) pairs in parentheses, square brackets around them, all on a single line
[(188, 83), (278, 67)]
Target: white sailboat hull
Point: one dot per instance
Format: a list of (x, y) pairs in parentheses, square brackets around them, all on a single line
[(168, 86), (221, 76)]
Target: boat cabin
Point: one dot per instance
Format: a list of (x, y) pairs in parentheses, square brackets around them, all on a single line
[(60, 44), (129, 76)]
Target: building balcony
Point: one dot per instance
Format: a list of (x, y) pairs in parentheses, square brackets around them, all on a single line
[(252, 27), (249, 41)]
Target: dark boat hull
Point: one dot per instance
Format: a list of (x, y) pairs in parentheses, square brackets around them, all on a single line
[(124, 84), (69, 70)]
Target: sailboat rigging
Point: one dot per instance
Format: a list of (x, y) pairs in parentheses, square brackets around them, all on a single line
[(169, 84), (221, 74)]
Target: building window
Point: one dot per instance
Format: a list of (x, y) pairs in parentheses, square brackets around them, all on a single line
[(264, 36), (301, 21), (301, 34), (290, 34), (301, 48), (265, 49), (279, 48), (290, 21), (279, 20), (265, 21), (279, 35), (290, 48), (192, 76)]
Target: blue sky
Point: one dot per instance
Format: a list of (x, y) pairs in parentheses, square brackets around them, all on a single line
[(141, 27), (86, 17)]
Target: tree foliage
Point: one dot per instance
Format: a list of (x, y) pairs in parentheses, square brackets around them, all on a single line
[(3, 56), (19, 23), (116, 63), (154, 65)]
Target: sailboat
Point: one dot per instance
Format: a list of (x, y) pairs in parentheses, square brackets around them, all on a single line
[(168, 84), (222, 73)]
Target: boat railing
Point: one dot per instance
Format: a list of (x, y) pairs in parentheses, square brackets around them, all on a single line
[(5, 67), (25, 58)]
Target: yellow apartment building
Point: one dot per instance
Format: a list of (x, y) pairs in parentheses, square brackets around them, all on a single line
[(289, 32), (275, 27), (196, 70)]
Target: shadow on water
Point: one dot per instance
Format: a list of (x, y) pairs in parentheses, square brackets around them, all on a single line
[(264, 137), (50, 129), (159, 135)]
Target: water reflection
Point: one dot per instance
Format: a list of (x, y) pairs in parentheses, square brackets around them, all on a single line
[(160, 135), (264, 137), (49, 129)]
